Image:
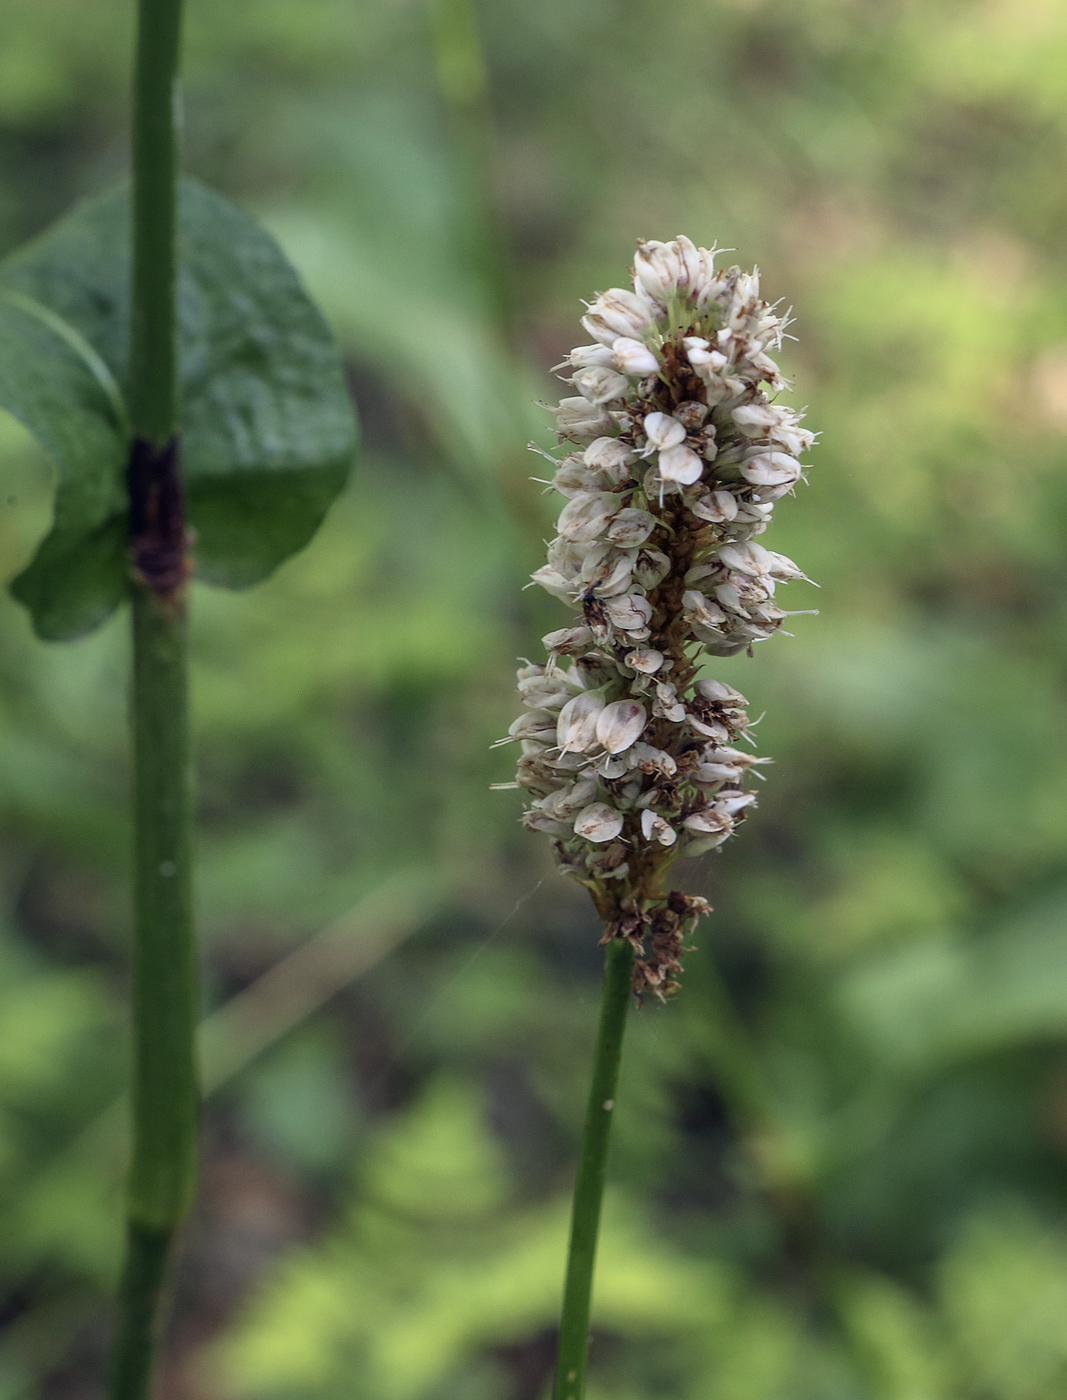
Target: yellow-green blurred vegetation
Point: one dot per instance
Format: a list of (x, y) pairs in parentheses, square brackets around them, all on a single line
[(841, 1163)]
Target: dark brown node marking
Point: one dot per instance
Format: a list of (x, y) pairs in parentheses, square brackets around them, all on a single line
[(159, 540)]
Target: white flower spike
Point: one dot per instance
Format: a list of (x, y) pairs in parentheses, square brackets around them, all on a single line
[(680, 453)]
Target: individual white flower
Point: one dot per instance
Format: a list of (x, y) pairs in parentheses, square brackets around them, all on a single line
[(618, 313), (608, 454), (647, 660), (651, 567), (772, 469), (598, 822), (578, 418), (568, 640), (620, 724), (586, 515), (652, 760), (634, 357), (655, 828), (702, 610), (630, 612), (717, 507), (582, 356), (680, 464), (719, 693), (663, 431), (600, 385), (631, 527), (576, 724)]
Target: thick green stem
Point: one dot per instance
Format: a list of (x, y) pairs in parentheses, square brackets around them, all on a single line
[(153, 340), (165, 972), (165, 998), (592, 1166), (165, 993)]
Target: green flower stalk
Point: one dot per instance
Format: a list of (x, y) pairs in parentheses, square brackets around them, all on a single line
[(675, 454)]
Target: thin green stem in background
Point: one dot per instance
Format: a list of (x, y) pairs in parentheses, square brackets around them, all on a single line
[(165, 992), (592, 1166)]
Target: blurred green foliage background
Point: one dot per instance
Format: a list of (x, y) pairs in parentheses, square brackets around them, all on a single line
[(841, 1161)]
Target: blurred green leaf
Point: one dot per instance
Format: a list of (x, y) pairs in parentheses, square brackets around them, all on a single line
[(57, 385), (268, 429)]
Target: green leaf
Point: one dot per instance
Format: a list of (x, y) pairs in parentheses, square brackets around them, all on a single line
[(268, 429), (53, 385)]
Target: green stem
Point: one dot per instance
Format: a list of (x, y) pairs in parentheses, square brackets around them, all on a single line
[(463, 81), (153, 341), (142, 1283), (592, 1166), (165, 993)]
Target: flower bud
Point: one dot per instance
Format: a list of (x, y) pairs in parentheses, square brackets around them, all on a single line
[(691, 414)]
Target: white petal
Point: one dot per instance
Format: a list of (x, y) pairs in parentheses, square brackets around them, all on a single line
[(771, 469), (600, 385), (630, 611), (620, 724), (608, 454), (631, 527), (654, 828), (719, 693), (716, 507), (582, 356), (663, 431), (633, 357), (701, 609), (598, 822), (586, 515), (645, 659), (568, 640), (746, 558), (618, 313), (576, 727), (680, 464)]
